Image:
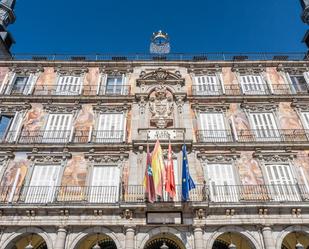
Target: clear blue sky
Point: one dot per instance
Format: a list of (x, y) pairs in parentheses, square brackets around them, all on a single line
[(76, 26)]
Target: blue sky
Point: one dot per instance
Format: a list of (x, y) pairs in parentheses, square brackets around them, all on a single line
[(125, 26)]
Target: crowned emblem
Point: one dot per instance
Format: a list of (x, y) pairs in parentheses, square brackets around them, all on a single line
[(160, 43)]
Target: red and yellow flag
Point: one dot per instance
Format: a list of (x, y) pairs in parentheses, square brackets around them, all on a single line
[(170, 186), (158, 169)]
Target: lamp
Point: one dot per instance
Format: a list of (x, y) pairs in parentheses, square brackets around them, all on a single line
[(29, 246), (96, 246), (299, 246), (164, 246)]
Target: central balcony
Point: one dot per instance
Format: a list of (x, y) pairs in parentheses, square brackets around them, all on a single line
[(135, 194)]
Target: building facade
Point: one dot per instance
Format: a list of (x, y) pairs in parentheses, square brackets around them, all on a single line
[(74, 133)]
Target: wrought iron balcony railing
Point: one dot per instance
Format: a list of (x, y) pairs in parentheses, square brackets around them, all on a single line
[(46, 136), (214, 136), (85, 90), (61, 195)]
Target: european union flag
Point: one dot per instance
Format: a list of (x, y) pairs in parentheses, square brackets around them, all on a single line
[(187, 181)]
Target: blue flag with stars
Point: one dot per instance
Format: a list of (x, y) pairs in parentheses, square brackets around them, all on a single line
[(187, 181)]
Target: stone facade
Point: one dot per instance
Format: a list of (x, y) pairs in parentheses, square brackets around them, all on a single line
[(155, 98)]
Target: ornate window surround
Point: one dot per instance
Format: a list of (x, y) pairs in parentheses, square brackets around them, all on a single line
[(5, 157), (219, 158), (285, 69), (300, 107), (12, 108)]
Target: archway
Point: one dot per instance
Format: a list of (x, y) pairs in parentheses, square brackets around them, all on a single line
[(34, 240), (226, 239), (101, 240), (292, 239), (169, 240)]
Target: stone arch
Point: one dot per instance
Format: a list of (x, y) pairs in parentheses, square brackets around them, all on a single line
[(13, 237), (288, 230), (175, 233), (93, 230), (235, 229)]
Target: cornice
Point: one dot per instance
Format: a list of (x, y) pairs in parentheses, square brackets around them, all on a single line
[(74, 71), (260, 107), (205, 107), (248, 69), (106, 157), (274, 156), (292, 68), (101, 108), (11, 107), (61, 108), (116, 69), (47, 157), (218, 157), (26, 69)]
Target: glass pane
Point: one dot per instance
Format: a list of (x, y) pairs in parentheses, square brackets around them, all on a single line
[(114, 84), (19, 84), (299, 83), (4, 125)]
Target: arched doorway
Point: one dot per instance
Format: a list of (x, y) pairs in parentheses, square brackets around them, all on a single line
[(164, 241), (101, 240), (35, 240), (226, 239), (292, 239)]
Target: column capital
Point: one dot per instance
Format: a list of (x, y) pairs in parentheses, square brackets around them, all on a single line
[(197, 228)]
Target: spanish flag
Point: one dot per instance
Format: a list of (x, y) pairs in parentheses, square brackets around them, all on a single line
[(158, 168)]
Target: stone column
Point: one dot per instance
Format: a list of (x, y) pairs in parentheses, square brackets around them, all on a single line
[(130, 235), (61, 237), (268, 238), (198, 238)]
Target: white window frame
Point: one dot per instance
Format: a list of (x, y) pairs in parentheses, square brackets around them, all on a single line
[(253, 84), (10, 78), (102, 88), (208, 84), (287, 78), (264, 135), (109, 193), (15, 126), (228, 192), (52, 134), (212, 135), (69, 84), (277, 188)]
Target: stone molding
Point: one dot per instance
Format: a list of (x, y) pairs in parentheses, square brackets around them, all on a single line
[(12, 108), (26, 69), (71, 71), (259, 107), (302, 106), (48, 157), (274, 156), (248, 69), (218, 157), (207, 70), (116, 70), (111, 108), (298, 68), (106, 157), (6, 155), (60, 108), (220, 107)]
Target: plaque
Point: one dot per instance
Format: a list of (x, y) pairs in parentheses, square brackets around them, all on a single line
[(164, 218)]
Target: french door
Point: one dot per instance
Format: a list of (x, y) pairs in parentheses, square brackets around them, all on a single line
[(69, 85), (213, 127), (207, 85), (222, 183), (253, 84), (105, 184), (110, 128), (43, 184)]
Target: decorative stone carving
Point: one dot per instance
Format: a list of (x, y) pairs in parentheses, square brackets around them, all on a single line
[(111, 108), (127, 214), (248, 69), (197, 69), (53, 108), (211, 107), (218, 157), (160, 76), (48, 158), (200, 214), (116, 70), (161, 107), (11, 108), (274, 156), (302, 106), (260, 107), (26, 69), (106, 157), (180, 102), (75, 71), (293, 68)]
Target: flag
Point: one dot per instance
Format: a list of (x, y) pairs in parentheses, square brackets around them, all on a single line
[(158, 168), (170, 186), (187, 181), (148, 180)]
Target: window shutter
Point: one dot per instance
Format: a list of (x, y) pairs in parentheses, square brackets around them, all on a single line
[(105, 184), (15, 127), (252, 84), (69, 85), (80, 84), (110, 127), (305, 119), (101, 83), (30, 83), (43, 184), (10, 83), (207, 84), (221, 81), (264, 125), (213, 126), (58, 128), (5, 82), (306, 76)]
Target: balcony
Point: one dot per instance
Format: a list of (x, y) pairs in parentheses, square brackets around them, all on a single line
[(253, 136), (86, 90), (46, 137), (135, 194)]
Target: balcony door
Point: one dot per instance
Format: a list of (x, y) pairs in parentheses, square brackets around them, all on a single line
[(281, 184), (110, 128), (213, 127), (264, 126), (222, 183), (43, 183), (207, 85), (115, 85), (58, 128), (69, 85), (253, 84), (104, 186)]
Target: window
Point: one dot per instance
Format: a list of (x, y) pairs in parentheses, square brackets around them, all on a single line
[(43, 183), (253, 84), (213, 127), (20, 84), (10, 126), (58, 128), (69, 85), (264, 126), (114, 85), (222, 182), (105, 184), (207, 85), (298, 82), (110, 128), (282, 186)]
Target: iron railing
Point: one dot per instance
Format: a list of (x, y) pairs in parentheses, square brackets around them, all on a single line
[(45, 136), (85, 90), (107, 136), (214, 136), (61, 195), (216, 56)]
